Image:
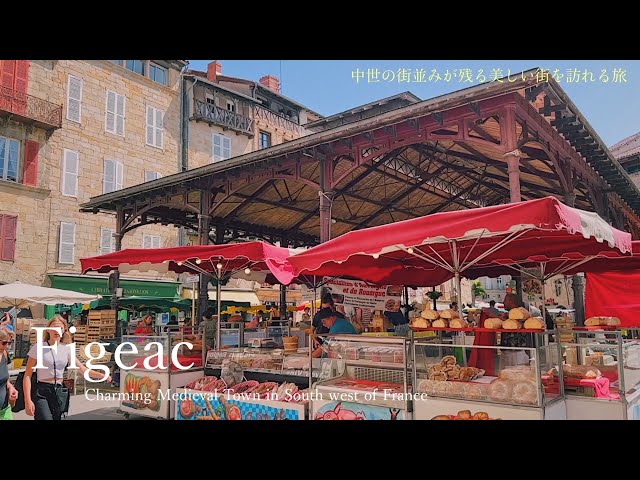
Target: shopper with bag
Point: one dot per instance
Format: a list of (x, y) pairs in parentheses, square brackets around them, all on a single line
[(8, 393), (48, 399)]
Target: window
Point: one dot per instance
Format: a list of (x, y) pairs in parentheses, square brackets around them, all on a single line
[(107, 241), (74, 99), (150, 241), (158, 74), (148, 176), (8, 229), (231, 106), (135, 66), (9, 159), (221, 147), (211, 100), (155, 131), (116, 62), (499, 282), (265, 139), (70, 161), (112, 179), (114, 113), (67, 247)]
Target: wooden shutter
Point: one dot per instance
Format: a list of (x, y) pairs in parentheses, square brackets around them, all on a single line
[(119, 173), (8, 228), (120, 106), (217, 148), (74, 99), (66, 251), (147, 242), (226, 147), (107, 241), (21, 78), (8, 72), (150, 123), (155, 241), (70, 173), (30, 165), (159, 128), (109, 176), (110, 115)]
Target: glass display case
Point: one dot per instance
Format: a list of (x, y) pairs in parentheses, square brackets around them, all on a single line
[(601, 372), (152, 374), (232, 334), (361, 378), (487, 381), (277, 329)]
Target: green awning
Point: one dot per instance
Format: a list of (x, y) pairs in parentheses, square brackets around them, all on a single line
[(130, 288)]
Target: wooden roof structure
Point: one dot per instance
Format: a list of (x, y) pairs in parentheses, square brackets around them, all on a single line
[(441, 154)]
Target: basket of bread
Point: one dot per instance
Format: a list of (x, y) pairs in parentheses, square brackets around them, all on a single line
[(465, 415)]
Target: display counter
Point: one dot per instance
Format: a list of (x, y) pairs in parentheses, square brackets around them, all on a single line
[(362, 378), (601, 373), (151, 378), (517, 386)]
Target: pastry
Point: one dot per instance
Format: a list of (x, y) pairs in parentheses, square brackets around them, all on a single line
[(535, 323), (420, 322), (448, 360), (500, 390), (467, 374), (448, 314), (493, 323), (581, 371), (481, 416), (519, 313), (441, 377), (441, 417), (517, 374), (430, 314), (511, 324), (440, 323), (464, 415), (458, 323), (440, 388), (454, 389), (525, 393), (473, 392)]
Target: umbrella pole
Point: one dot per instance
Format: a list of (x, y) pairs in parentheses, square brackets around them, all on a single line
[(456, 270), (218, 304), (193, 304), (544, 296)]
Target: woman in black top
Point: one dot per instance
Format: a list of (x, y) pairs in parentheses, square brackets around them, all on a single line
[(8, 393)]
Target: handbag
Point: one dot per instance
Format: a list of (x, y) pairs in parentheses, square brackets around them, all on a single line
[(5, 413), (62, 392)]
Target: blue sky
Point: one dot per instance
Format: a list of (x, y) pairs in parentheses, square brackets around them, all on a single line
[(327, 86)]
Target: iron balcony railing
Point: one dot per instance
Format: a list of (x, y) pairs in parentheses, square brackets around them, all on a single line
[(220, 116), (27, 107)]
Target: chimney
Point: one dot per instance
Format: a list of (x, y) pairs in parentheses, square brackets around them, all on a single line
[(213, 70), (271, 82)]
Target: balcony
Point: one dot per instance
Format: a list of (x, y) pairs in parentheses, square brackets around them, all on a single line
[(29, 109), (222, 117), (276, 120)]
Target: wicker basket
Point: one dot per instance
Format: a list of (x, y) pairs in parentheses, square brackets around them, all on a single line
[(290, 344)]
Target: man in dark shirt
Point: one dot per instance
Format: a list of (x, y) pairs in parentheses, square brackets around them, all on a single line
[(317, 326)]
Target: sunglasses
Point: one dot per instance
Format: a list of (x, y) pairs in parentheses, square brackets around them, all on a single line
[(7, 343)]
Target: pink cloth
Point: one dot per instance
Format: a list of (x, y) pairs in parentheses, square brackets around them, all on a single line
[(600, 387)]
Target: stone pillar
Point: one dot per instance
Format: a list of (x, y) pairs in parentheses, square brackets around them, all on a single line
[(513, 167)]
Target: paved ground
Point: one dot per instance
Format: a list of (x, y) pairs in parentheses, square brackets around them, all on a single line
[(89, 408)]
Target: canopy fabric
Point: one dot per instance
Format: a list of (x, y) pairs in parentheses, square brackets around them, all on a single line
[(426, 251), (614, 294), (234, 258), (20, 295)]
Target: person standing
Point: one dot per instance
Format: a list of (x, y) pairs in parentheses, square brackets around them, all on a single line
[(8, 393), (41, 400), (145, 326)]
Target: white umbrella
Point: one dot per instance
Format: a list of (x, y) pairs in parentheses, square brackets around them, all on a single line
[(20, 295)]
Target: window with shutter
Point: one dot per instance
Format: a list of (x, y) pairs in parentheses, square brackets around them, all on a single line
[(150, 241), (159, 128), (120, 106), (221, 147), (150, 124), (107, 241), (109, 177), (156, 241), (67, 246), (8, 72), (74, 99), (154, 127), (115, 113), (8, 229), (70, 173), (30, 165), (21, 76), (10, 156), (119, 174), (148, 175)]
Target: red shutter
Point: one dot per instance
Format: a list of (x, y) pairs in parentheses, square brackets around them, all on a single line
[(22, 76), (8, 237), (30, 170), (8, 69)]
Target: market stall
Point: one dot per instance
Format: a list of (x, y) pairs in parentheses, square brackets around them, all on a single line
[(152, 375)]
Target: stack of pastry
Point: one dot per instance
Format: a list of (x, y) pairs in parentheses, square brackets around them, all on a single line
[(445, 318), (515, 385), (447, 369)]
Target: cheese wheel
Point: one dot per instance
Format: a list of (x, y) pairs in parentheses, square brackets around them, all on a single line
[(519, 313), (448, 314), (493, 323), (442, 323), (534, 323), (430, 314), (511, 324)]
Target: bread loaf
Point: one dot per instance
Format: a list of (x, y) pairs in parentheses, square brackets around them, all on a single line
[(519, 313), (581, 371), (448, 314), (511, 324), (534, 323), (458, 323), (493, 323), (420, 322), (430, 314), (442, 323), (604, 321)]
